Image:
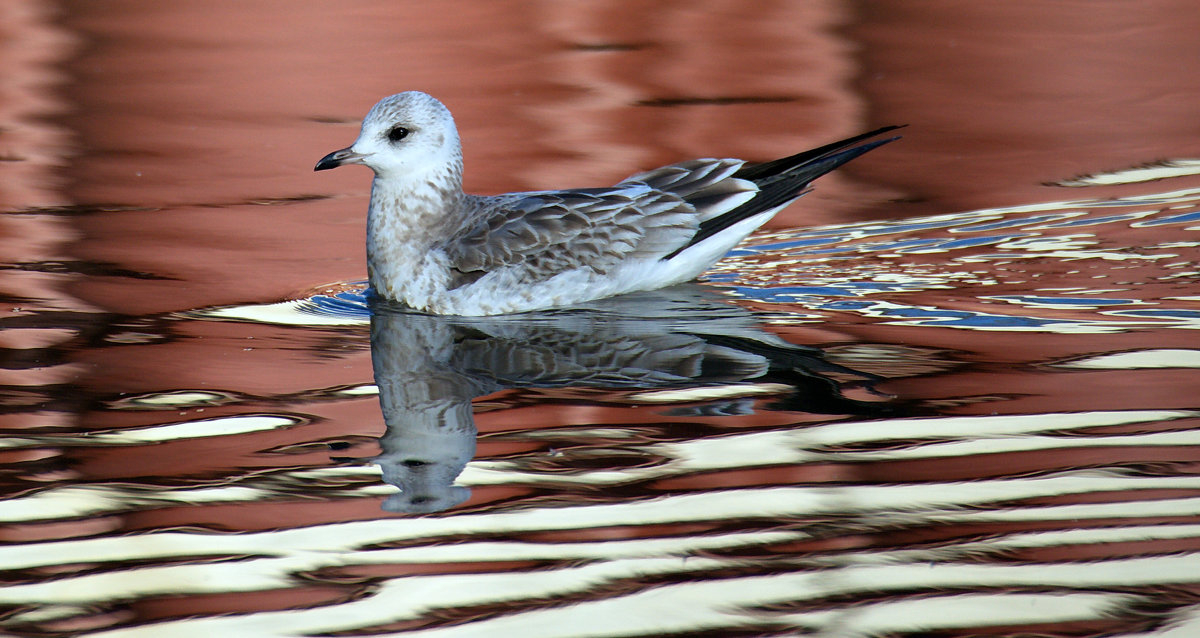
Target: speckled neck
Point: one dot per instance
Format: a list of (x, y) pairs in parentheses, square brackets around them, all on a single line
[(408, 215), (411, 210)]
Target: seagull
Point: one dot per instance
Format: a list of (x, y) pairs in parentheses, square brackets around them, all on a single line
[(436, 249)]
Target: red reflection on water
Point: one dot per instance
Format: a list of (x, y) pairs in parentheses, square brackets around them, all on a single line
[(1003, 97), (187, 136)]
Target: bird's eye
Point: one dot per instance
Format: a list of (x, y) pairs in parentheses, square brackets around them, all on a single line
[(397, 133)]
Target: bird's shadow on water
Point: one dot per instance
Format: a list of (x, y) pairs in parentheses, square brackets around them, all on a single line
[(429, 368)]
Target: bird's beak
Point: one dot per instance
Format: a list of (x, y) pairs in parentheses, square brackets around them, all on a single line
[(339, 158)]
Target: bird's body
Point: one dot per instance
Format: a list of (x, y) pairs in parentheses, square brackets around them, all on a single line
[(437, 249)]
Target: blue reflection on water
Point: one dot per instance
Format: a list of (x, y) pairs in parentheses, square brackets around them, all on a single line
[(910, 226), (1165, 313), (1095, 221), (940, 316), (967, 243), (798, 243), (1064, 301), (896, 245), (1169, 219), (343, 304), (852, 261), (1009, 223)]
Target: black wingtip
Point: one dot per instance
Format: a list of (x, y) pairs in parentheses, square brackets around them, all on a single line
[(787, 178), (766, 170)]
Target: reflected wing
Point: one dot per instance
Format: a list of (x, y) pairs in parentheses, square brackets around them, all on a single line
[(603, 357)]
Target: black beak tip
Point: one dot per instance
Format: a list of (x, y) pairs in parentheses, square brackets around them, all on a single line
[(327, 162), (338, 158)]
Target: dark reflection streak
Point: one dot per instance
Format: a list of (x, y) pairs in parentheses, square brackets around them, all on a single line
[(429, 368), (804, 369), (17, 300), (92, 209), (330, 119), (21, 400), (90, 268), (715, 101), (80, 209), (609, 46)]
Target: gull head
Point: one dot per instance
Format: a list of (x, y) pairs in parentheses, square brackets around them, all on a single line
[(408, 133)]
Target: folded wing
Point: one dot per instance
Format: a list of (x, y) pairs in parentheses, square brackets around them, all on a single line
[(646, 216)]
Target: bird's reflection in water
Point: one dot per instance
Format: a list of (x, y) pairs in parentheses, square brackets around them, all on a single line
[(428, 369)]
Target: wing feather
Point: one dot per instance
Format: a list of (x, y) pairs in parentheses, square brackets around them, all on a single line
[(652, 215), (709, 185), (551, 232)]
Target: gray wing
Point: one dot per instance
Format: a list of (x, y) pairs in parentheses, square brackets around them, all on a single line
[(648, 215), (709, 185), (548, 233)]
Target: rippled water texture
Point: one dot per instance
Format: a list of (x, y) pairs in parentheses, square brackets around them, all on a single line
[(951, 392)]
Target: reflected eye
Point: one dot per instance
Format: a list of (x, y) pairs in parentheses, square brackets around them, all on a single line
[(397, 133)]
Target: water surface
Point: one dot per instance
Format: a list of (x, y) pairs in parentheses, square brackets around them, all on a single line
[(951, 392)]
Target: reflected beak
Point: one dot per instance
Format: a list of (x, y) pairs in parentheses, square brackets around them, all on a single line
[(339, 158)]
